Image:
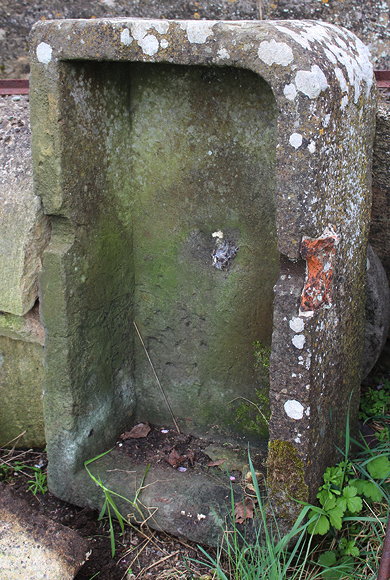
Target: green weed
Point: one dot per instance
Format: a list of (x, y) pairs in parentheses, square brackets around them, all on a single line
[(110, 508)]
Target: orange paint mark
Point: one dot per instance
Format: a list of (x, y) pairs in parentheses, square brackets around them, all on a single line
[(319, 254)]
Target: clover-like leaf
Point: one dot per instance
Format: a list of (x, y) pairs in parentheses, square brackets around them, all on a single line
[(336, 517), (354, 502), (327, 558), (348, 548), (319, 526), (379, 467), (367, 488), (326, 499)]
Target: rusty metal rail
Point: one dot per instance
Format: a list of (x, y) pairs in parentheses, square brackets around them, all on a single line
[(14, 87)]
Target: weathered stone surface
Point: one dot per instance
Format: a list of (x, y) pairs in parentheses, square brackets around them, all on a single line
[(377, 311), (26, 328), (107, 175), (367, 18), (24, 228), (380, 217), (33, 547), (21, 383)]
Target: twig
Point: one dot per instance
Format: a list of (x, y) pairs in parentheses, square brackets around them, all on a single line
[(156, 377), (260, 9), (157, 563), (14, 439)]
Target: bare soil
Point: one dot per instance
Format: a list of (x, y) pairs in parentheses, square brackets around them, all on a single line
[(140, 552)]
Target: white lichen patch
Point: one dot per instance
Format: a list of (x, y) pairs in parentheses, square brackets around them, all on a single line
[(344, 102), (160, 26), (223, 54), (311, 147), (296, 324), (272, 52), (149, 44), (341, 78), (311, 83), (44, 52), (294, 409), (295, 140), (126, 38), (197, 31), (290, 92), (164, 43), (298, 341)]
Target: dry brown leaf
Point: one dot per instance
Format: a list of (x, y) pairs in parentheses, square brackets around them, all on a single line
[(175, 459), (216, 463), (137, 432), (243, 510)]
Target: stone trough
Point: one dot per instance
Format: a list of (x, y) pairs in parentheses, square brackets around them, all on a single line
[(208, 190)]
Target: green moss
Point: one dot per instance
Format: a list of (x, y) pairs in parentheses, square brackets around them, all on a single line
[(286, 479)]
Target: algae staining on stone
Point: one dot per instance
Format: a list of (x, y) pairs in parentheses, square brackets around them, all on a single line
[(262, 355), (253, 416), (286, 477), (272, 52)]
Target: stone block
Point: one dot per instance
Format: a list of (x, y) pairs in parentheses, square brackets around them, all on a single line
[(367, 19), (197, 167), (24, 228), (21, 380), (34, 547)]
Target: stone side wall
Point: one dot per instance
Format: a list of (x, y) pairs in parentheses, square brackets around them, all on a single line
[(24, 234), (23, 331), (368, 19)]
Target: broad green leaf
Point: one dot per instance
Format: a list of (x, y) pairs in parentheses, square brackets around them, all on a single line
[(379, 468), (326, 499), (354, 503), (319, 526), (367, 488), (327, 558), (349, 491), (336, 517), (348, 548), (342, 503)]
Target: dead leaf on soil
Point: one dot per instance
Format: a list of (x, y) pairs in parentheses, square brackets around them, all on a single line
[(243, 510), (216, 463), (175, 459), (137, 432)]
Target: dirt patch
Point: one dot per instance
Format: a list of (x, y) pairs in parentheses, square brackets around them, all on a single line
[(152, 445), (144, 552), (148, 554)]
